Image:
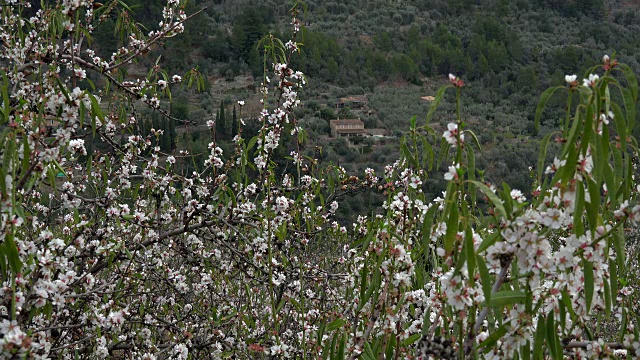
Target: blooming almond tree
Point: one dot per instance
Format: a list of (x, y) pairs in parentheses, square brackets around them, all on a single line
[(124, 254)]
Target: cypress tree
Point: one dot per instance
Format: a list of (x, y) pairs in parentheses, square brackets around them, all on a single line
[(172, 133), (221, 128), (234, 123)]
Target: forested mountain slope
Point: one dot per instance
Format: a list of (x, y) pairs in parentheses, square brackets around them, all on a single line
[(396, 52)]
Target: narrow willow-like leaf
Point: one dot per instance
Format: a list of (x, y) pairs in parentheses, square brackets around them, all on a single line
[(391, 344), (578, 226), (429, 156), (426, 229), (436, 102), (5, 98), (3, 264), (486, 243), (469, 252), (363, 281), (609, 180), (368, 351), (411, 339), (471, 173), (373, 285), (632, 81), (452, 228), (495, 200), (569, 169), (544, 145), (544, 98), (613, 270), (444, 151), (552, 337), (484, 277), (627, 183), (11, 250), (619, 120), (607, 299), (618, 168), (538, 342), (573, 132), (629, 106), (588, 282), (593, 205), (492, 339), (618, 244), (505, 195), (507, 297), (336, 324), (623, 326), (407, 154)]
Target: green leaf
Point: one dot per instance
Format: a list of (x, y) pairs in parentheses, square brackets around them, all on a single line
[(11, 250), (544, 98), (618, 244), (368, 352), (631, 80), (426, 228), (429, 157), (96, 111), (544, 145), (492, 239), (609, 180), (538, 341), (341, 346), (569, 169), (621, 124), (411, 339), (26, 158), (507, 297), (373, 285), (497, 203), (578, 226), (566, 300), (3, 264), (391, 344), (607, 298), (436, 102), (613, 270), (5, 97), (407, 154), (485, 278), (552, 337), (335, 324), (618, 167), (593, 205), (588, 282), (471, 173), (470, 252), (452, 227), (629, 106), (492, 339)]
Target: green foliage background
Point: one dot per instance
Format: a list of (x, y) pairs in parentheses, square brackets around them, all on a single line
[(394, 53)]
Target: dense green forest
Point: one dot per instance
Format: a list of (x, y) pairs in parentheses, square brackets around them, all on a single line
[(394, 53)]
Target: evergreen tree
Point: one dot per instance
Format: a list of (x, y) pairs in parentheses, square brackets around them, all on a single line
[(172, 133), (221, 128), (234, 123)]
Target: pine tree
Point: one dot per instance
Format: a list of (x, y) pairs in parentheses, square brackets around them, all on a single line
[(234, 123)]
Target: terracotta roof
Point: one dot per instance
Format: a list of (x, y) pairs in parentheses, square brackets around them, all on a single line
[(352, 98), (347, 122)]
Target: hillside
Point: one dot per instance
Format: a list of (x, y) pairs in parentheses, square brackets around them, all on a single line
[(397, 54)]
